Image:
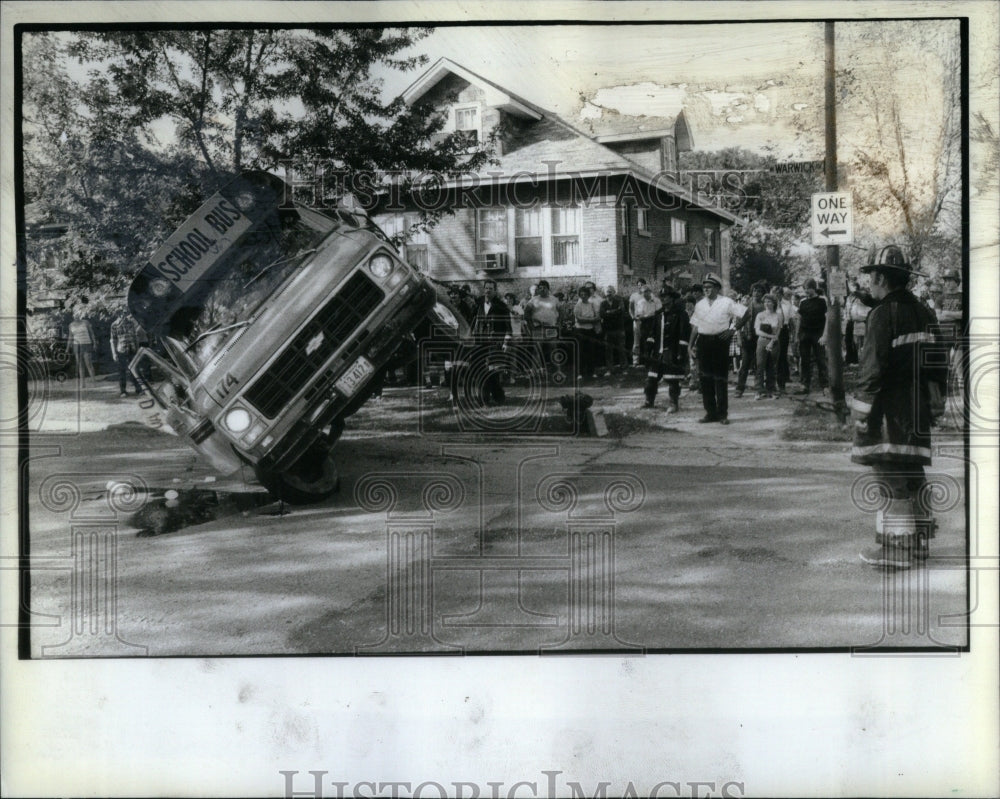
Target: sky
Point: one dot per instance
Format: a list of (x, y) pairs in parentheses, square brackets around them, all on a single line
[(754, 85)]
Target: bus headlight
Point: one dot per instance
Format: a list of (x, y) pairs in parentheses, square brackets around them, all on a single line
[(159, 287), (380, 266), (237, 420)]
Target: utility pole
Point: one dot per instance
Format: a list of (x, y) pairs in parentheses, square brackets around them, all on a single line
[(834, 358)]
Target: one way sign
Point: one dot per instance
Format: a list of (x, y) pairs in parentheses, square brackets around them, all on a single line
[(832, 218)]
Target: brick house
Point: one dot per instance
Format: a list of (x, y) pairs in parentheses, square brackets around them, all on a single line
[(563, 203)]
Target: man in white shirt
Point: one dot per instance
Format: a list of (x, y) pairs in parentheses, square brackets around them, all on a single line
[(645, 306), (541, 319), (716, 318)]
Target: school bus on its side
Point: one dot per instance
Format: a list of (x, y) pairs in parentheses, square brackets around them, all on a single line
[(272, 320)]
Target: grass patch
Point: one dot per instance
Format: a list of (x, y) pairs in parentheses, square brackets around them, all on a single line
[(809, 423)]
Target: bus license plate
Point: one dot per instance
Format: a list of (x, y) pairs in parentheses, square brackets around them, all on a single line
[(354, 377)]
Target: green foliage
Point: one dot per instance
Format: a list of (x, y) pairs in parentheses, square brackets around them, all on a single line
[(899, 96), (774, 205), (126, 132)]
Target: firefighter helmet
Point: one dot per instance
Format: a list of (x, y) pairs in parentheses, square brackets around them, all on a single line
[(889, 257)]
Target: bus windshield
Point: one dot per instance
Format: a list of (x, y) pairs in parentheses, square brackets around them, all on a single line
[(226, 299)]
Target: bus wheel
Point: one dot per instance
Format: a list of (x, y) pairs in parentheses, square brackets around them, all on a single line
[(312, 478)]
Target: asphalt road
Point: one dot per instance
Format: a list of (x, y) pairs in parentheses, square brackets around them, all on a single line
[(676, 536)]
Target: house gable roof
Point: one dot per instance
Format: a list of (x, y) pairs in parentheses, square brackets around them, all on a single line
[(612, 128), (496, 96), (548, 146)]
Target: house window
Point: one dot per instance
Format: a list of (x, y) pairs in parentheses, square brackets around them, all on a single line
[(566, 236), (642, 220), (393, 225), (528, 236), (678, 231), (467, 124), (416, 256), (491, 238), (417, 241), (625, 237), (710, 239)]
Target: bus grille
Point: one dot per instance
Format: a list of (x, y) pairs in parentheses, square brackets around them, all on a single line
[(333, 324)]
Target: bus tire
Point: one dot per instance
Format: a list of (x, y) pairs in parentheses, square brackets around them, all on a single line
[(312, 478)]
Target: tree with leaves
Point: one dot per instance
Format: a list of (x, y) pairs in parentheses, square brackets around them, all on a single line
[(774, 205), (126, 132), (899, 118)]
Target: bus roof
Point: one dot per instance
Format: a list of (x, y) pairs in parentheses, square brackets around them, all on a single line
[(200, 244)]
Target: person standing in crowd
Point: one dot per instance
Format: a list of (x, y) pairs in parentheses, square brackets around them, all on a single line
[(748, 339), (586, 329), (665, 339), (541, 319), (124, 345), (768, 325), (633, 300), (82, 340), (613, 322), (716, 319), (949, 304), (492, 333), (794, 361), (596, 298), (856, 309), (467, 303), (644, 307), (949, 315), (516, 314), (787, 311), (693, 379), (516, 329), (812, 326), (897, 396)]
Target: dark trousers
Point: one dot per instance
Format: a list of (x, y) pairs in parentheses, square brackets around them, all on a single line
[(748, 360), (488, 362), (810, 349), (123, 370), (615, 353), (586, 349), (850, 348), (713, 364), (653, 377), (782, 372)]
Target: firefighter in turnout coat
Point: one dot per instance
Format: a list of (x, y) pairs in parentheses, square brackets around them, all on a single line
[(896, 398), (665, 338)]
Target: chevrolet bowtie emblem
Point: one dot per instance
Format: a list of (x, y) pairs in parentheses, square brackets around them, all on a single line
[(314, 343)]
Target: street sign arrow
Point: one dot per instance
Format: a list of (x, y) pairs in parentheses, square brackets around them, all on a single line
[(827, 232)]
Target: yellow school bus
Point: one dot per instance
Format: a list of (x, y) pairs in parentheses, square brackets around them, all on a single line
[(271, 320)]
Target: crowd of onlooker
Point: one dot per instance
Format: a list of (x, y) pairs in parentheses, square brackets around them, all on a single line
[(611, 330), (591, 334)]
